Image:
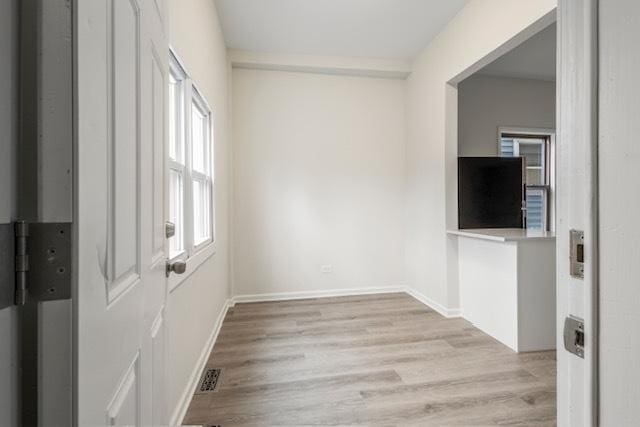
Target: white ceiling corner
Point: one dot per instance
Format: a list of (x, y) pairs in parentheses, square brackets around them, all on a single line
[(386, 29)]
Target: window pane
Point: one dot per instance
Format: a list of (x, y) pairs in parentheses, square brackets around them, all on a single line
[(176, 243), (506, 147), (536, 208), (201, 211), (199, 135), (532, 153), (176, 123), (534, 176)]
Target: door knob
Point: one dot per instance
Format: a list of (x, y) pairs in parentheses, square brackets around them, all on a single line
[(177, 267)]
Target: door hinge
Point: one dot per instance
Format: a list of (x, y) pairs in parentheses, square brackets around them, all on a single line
[(36, 260)]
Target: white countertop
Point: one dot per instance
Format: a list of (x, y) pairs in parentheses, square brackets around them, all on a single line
[(504, 234)]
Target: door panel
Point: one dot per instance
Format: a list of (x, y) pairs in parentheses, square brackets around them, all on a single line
[(619, 175), (124, 409), (121, 59), (124, 32)]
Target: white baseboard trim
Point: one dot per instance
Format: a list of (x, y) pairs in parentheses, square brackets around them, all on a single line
[(185, 399), (446, 312), (284, 296)]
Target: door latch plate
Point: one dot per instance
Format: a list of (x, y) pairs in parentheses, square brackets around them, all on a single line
[(574, 336), (576, 268)]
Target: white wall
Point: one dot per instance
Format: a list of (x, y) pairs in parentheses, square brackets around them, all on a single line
[(619, 174), (8, 145), (486, 103), (319, 180), (194, 306), (463, 47)]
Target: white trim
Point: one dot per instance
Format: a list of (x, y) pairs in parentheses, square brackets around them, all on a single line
[(285, 296), (185, 399), (449, 313), (360, 67), (526, 131)]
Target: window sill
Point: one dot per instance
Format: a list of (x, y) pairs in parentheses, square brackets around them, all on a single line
[(193, 263)]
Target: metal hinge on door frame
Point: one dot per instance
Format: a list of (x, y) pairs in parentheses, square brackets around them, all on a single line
[(36, 262)]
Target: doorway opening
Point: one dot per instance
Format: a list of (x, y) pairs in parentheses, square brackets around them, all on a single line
[(501, 183)]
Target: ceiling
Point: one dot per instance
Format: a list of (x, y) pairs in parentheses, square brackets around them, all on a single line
[(533, 59), (389, 29)]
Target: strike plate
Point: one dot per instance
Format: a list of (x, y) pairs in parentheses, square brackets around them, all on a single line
[(574, 336), (576, 267)]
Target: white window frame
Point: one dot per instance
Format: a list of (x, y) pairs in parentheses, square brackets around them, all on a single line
[(195, 175), (548, 163), (190, 95)]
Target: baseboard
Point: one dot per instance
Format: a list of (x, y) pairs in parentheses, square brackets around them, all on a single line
[(446, 312), (284, 296), (181, 409)]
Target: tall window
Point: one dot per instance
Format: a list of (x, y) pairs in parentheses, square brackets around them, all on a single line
[(535, 149), (190, 164)]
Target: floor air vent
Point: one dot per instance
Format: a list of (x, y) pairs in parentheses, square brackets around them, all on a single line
[(209, 381)]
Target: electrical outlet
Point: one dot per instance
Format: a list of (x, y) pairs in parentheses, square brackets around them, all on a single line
[(326, 269)]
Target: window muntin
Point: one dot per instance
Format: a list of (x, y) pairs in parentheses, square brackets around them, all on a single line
[(190, 151)]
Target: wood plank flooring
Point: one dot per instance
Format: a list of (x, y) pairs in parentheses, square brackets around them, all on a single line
[(378, 360)]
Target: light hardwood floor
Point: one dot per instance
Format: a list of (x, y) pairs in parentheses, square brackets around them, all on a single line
[(378, 360)]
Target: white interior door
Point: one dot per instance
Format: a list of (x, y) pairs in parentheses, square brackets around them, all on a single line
[(576, 199), (121, 71), (619, 176), (8, 146)]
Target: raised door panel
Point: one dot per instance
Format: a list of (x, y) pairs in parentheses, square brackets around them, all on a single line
[(125, 146), (124, 408), (125, 135)]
